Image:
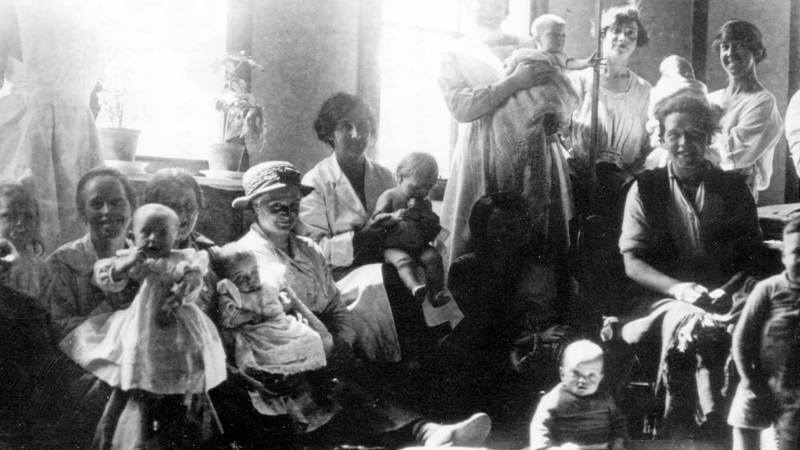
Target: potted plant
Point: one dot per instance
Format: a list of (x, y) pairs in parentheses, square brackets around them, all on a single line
[(243, 118), (116, 141)]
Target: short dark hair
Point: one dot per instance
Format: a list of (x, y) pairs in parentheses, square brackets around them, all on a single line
[(707, 117), (418, 164), (792, 226), (17, 191), (163, 179), (744, 32), (620, 15), (229, 256), (97, 172), (334, 109), (484, 207)]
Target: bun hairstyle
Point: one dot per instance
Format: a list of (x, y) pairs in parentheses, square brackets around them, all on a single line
[(336, 108), (744, 32)]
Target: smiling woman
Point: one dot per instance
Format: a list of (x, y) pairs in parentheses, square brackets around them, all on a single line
[(751, 124)]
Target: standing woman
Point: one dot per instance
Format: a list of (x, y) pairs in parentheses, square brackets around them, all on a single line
[(48, 137), (474, 85), (751, 124), (622, 141)]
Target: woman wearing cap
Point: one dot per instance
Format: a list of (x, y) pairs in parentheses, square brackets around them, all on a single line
[(751, 124), (273, 190), (337, 215)]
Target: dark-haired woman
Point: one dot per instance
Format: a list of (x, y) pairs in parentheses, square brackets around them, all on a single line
[(509, 302), (623, 141), (69, 401), (751, 124), (337, 215)]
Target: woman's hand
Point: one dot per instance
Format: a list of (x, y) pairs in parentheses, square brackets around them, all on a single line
[(530, 74), (553, 334), (687, 292), (370, 236)]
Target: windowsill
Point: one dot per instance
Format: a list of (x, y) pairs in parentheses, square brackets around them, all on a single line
[(194, 166)]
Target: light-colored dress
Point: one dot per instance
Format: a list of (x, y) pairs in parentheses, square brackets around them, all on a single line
[(622, 117), (70, 295), (48, 138), (750, 127), (501, 145), (130, 350), (279, 343), (793, 129), (331, 213)]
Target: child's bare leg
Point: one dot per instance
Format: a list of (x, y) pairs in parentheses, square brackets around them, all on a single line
[(404, 264), (434, 272)]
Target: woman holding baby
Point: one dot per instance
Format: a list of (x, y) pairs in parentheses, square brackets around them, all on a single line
[(751, 123), (293, 266)]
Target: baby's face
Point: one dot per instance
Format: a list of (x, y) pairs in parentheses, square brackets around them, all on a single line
[(552, 38), (245, 275), (791, 255), (17, 221), (582, 378), (416, 187), (677, 67), (156, 233)]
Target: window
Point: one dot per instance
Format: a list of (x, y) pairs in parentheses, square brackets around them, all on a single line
[(413, 115), (164, 56)]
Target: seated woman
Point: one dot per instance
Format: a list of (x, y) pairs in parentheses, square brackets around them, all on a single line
[(65, 392), (287, 262), (687, 229), (337, 215), (178, 189), (510, 304)]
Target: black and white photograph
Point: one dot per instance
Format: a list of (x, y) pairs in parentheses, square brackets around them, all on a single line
[(400, 224)]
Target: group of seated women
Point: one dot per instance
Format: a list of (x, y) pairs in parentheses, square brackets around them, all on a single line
[(324, 324)]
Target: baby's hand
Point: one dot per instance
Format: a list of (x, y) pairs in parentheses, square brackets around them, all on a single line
[(128, 260), (191, 282)]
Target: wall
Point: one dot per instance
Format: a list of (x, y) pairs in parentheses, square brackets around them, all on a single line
[(773, 21), (669, 24), (310, 50)]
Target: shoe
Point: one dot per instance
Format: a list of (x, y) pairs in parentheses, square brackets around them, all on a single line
[(469, 433), (420, 293)]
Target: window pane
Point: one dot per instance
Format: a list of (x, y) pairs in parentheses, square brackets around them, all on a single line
[(164, 55)]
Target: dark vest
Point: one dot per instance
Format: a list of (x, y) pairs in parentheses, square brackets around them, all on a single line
[(729, 229)]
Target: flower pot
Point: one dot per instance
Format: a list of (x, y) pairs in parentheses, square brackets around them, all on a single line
[(226, 157), (118, 143)]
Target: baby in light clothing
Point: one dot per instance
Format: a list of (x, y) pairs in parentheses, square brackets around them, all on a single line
[(547, 43), (677, 79), (267, 339)]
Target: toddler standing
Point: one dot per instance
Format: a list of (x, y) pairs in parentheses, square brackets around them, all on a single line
[(574, 414), (407, 244), (766, 349), (161, 354), (19, 224)]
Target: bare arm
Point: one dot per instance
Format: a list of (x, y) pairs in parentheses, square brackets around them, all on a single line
[(747, 338)]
